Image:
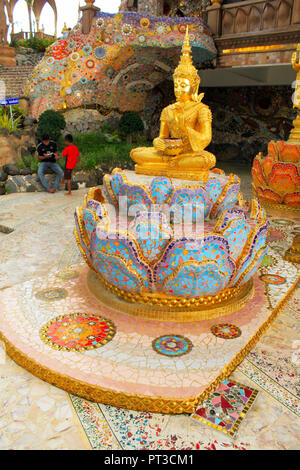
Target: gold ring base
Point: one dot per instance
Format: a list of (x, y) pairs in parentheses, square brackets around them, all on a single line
[(168, 311), (278, 210), (195, 175)]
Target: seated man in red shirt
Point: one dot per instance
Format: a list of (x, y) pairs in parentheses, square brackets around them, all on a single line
[(71, 153)]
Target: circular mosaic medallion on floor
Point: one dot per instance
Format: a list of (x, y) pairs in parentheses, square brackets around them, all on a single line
[(226, 331), (67, 274), (272, 279), (51, 294), (172, 345), (283, 222), (276, 235), (77, 332), (268, 260)]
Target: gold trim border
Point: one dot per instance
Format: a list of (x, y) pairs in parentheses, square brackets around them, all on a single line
[(169, 309), (155, 404)]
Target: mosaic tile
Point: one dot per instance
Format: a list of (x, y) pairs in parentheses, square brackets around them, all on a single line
[(172, 345), (226, 407), (78, 332)]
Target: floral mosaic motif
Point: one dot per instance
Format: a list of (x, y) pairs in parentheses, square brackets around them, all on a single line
[(273, 279), (67, 274), (226, 407), (268, 260), (149, 257), (275, 235), (50, 295), (172, 345), (77, 332), (276, 177), (226, 331), (116, 272), (283, 222)]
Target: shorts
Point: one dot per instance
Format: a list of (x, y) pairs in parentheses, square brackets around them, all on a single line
[(67, 174)]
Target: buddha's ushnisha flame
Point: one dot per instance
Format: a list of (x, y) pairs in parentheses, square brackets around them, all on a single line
[(185, 67)]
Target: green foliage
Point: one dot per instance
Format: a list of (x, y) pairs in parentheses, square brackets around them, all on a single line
[(18, 111), (38, 44), (130, 123), (96, 149), (51, 122), (28, 161), (5, 119)]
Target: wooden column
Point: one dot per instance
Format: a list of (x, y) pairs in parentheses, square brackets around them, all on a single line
[(214, 18), (88, 13), (296, 12)]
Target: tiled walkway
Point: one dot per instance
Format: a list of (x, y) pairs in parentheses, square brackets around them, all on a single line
[(36, 415)]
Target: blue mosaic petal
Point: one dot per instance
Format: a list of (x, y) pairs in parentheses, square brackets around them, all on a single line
[(196, 280), (160, 190)]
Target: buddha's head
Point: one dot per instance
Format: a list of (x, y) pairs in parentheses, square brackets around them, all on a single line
[(186, 78), (185, 88)]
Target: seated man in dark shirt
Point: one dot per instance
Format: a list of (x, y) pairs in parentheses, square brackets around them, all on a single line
[(48, 154)]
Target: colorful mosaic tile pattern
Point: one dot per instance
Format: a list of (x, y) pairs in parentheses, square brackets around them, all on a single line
[(50, 295), (172, 345), (116, 63), (226, 407), (67, 274), (77, 332), (273, 279), (226, 331)]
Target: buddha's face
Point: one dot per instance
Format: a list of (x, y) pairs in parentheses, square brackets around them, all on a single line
[(183, 89)]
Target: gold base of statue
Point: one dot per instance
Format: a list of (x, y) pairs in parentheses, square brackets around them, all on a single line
[(194, 175), (294, 137), (7, 56), (166, 308)]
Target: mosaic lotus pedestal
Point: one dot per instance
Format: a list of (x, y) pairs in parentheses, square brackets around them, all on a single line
[(178, 251), (276, 179)]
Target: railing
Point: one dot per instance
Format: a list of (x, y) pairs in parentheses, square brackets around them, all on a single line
[(26, 35), (254, 16)]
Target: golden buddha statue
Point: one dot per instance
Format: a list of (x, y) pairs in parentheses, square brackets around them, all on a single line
[(294, 137), (185, 130)]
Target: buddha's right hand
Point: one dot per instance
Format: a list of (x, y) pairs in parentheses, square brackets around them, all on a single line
[(159, 144)]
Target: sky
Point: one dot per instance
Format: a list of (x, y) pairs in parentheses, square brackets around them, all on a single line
[(67, 11)]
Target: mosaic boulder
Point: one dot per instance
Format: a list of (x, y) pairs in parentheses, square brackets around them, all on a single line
[(115, 65)]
